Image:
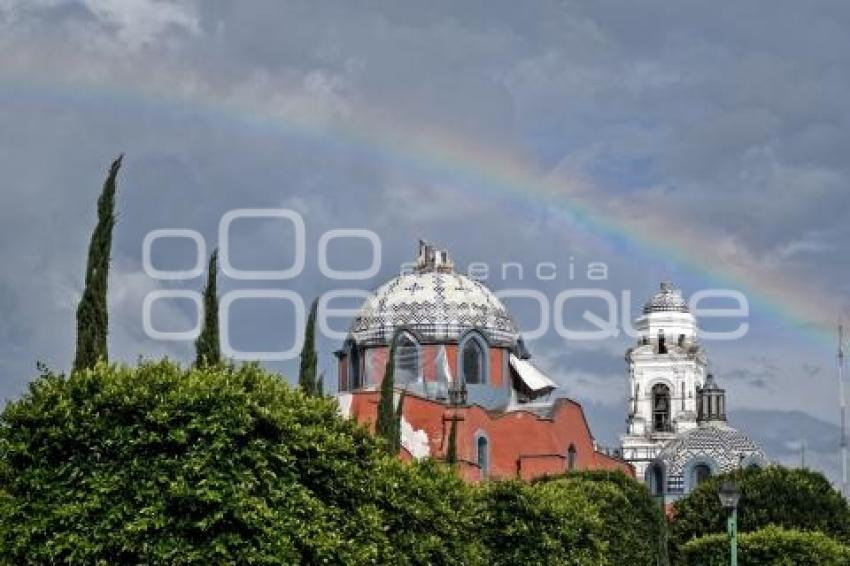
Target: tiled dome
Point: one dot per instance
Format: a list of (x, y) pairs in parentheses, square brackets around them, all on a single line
[(716, 441), (436, 303), (439, 307), (666, 300)]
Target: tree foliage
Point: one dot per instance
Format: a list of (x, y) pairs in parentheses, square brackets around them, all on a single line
[(308, 373), (207, 346), (431, 515), (634, 524), (451, 448), (540, 523), (157, 464), (790, 498), (388, 424), (224, 465), (769, 546), (92, 313)]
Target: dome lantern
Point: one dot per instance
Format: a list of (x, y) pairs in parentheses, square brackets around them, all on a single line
[(430, 259), (711, 402)]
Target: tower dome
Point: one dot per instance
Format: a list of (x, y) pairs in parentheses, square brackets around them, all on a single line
[(716, 445), (667, 299), (434, 302), (712, 448), (713, 439), (666, 314)]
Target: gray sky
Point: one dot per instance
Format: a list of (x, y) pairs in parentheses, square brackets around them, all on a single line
[(718, 132)]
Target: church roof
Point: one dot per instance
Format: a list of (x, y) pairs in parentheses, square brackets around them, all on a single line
[(667, 299), (718, 442), (436, 303)]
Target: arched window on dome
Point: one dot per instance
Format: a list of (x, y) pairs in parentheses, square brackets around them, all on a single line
[(482, 455), (406, 358), (571, 457), (661, 408), (699, 474), (473, 360)]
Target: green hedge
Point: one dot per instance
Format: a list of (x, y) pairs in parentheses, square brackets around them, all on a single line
[(766, 547), (430, 514), (160, 465), (541, 523), (634, 524)]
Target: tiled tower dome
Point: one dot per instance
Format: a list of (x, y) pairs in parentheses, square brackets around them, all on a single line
[(719, 443), (435, 303), (667, 299), (714, 446)]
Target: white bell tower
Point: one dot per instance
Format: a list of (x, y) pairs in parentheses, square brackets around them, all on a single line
[(666, 367)]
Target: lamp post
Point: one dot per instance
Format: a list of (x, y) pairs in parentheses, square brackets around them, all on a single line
[(729, 495)]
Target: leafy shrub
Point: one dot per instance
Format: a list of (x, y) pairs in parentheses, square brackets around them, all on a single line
[(539, 523), (768, 546), (791, 498), (157, 464), (430, 514), (162, 465), (634, 524)]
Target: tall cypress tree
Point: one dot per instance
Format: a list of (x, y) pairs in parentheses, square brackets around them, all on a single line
[(308, 379), (92, 313), (397, 425), (451, 450), (208, 346), (387, 426)]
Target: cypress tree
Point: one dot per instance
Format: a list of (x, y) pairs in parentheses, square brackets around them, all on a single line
[(307, 374), (207, 346), (92, 313), (397, 426), (451, 450), (388, 420)]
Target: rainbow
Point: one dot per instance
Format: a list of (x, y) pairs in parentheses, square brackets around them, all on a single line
[(490, 171)]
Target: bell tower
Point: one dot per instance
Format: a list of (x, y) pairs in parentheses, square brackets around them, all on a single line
[(666, 368)]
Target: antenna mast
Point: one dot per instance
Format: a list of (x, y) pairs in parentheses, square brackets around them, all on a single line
[(843, 410)]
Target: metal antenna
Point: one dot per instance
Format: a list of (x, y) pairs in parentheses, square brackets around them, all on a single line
[(843, 409)]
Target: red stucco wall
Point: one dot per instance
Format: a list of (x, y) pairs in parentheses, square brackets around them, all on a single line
[(521, 443)]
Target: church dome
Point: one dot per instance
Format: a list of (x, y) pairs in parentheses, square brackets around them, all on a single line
[(717, 443), (667, 299), (435, 303)]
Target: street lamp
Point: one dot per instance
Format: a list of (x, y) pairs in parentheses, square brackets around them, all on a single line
[(729, 495)]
